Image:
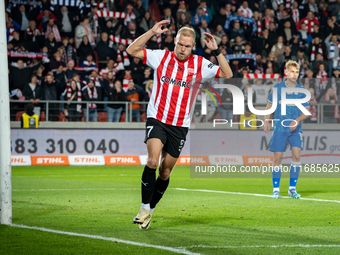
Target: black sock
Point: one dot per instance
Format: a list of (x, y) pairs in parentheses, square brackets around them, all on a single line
[(160, 188), (148, 184)]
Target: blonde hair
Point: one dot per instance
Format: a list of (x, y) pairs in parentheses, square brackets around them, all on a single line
[(148, 83), (186, 31), (292, 63)]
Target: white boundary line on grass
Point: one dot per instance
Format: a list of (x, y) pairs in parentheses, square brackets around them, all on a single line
[(111, 239), (251, 194), (184, 189), (76, 189), (264, 246)]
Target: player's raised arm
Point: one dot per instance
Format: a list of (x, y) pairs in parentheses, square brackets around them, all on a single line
[(212, 45), (266, 127), (136, 48)]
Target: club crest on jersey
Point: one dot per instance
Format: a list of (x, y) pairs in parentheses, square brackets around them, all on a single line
[(176, 82)]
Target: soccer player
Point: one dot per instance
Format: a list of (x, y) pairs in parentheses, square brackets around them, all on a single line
[(168, 114), (287, 131)]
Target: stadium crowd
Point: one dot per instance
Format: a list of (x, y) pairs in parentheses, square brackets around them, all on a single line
[(75, 50)]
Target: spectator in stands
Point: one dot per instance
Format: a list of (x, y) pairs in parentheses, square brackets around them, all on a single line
[(104, 52), (16, 41), (67, 20), (70, 71), (132, 95), (309, 20), (224, 42), (317, 47), (137, 68), (43, 17), (51, 44), (11, 26), (50, 86), (207, 10), (111, 66), (237, 31), (85, 49), (131, 32), (88, 62), (237, 45), (23, 15), (21, 75), (113, 90), (61, 77), (127, 77), (262, 44), (261, 91), (140, 11), (305, 37), (167, 43), (131, 14), (69, 51), (32, 37), (52, 26), (146, 22), (333, 47), (56, 61), (91, 93), (330, 112), (84, 29), (287, 31), (196, 20), (219, 31), (278, 48), (332, 28), (109, 29), (272, 31), (220, 18), (34, 92), (317, 32), (296, 13), (148, 90), (73, 95), (226, 109), (284, 58), (271, 68), (182, 8)]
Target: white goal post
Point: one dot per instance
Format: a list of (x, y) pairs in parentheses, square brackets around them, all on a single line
[(5, 140)]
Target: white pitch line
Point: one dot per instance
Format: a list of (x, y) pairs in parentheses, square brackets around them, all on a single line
[(111, 239), (183, 189), (264, 246), (75, 189), (251, 194)]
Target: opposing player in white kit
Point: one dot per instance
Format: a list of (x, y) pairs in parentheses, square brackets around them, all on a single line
[(168, 114)]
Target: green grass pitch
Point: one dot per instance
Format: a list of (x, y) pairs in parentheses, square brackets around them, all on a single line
[(99, 203)]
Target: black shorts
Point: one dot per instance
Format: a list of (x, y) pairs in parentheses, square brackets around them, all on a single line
[(172, 137)]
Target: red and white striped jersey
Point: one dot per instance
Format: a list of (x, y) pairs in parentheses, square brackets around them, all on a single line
[(175, 85)]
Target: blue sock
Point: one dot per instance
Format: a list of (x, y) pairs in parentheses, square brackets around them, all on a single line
[(294, 174), (276, 175)]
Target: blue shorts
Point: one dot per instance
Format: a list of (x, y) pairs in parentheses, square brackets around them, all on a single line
[(279, 140)]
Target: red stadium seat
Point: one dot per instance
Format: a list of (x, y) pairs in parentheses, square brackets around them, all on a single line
[(143, 117), (123, 117), (62, 117), (42, 116), (18, 115), (102, 116)]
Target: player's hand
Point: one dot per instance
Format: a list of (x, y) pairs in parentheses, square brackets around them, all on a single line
[(210, 41), (157, 28), (293, 125), (266, 127)]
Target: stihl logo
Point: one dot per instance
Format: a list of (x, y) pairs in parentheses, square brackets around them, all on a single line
[(18, 160), (122, 160), (50, 161), (86, 160), (259, 160)]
